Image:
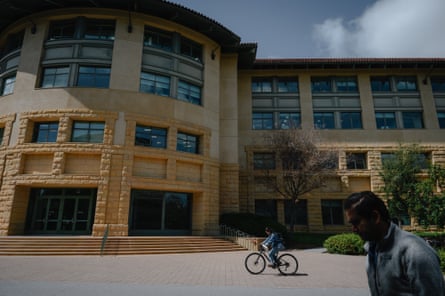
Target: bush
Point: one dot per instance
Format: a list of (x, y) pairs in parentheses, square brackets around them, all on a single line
[(441, 253), (346, 244), (252, 224)]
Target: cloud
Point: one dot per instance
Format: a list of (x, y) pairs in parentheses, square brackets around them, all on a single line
[(388, 28)]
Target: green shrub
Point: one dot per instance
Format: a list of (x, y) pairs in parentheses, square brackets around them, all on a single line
[(346, 244), (252, 224), (441, 253)]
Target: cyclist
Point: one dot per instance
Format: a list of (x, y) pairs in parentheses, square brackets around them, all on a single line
[(274, 244)]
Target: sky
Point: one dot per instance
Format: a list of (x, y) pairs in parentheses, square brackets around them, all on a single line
[(332, 28)]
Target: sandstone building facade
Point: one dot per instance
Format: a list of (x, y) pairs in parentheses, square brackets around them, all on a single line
[(150, 119)]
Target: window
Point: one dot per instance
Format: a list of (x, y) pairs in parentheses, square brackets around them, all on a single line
[(189, 93), (93, 77), (406, 83), (45, 132), (287, 85), (151, 136), (296, 211), (438, 84), (332, 212), (261, 85), (351, 120), (191, 49), (2, 132), (321, 84), (412, 119), (89, 132), (155, 84), (158, 38), (99, 29), (324, 120), (264, 161), (8, 85), (385, 120), (262, 121), (289, 120), (356, 161), (423, 160), (82, 28), (187, 143), (13, 42), (266, 208), (441, 118), (62, 30), (385, 157), (380, 84), (346, 84), (55, 77)]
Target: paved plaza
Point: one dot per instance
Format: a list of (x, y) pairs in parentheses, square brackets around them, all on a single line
[(209, 274)]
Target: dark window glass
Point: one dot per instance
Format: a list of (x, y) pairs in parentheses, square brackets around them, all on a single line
[(158, 39), (287, 85), (55, 77), (262, 121), (263, 161), (89, 132), (151, 136), (187, 143), (62, 29), (423, 160), (441, 118), (8, 85), (2, 132), (406, 83), (351, 120), (191, 49), (438, 84), (324, 120), (332, 212), (45, 132), (189, 93), (155, 84), (99, 29), (299, 211), (94, 77), (346, 84), (385, 157), (385, 120), (356, 161), (13, 42), (266, 208), (263, 85), (380, 84), (322, 84), (412, 119), (289, 120)]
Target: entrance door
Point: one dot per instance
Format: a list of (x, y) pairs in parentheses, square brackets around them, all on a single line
[(160, 213), (61, 211)]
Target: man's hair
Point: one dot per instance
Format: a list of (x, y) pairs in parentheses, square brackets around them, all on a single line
[(364, 203)]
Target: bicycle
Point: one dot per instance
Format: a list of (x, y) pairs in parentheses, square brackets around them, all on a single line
[(255, 262)]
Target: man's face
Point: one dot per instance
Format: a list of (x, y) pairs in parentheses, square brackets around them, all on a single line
[(365, 228)]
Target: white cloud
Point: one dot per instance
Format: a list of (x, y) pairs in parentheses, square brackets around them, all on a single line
[(388, 28)]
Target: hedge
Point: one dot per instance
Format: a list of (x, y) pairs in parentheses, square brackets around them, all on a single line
[(346, 244)]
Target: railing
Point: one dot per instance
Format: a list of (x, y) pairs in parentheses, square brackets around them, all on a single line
[(237, 236), (104, 240)]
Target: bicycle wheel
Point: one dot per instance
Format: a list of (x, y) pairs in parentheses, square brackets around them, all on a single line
[(287, 264), (255, 263)]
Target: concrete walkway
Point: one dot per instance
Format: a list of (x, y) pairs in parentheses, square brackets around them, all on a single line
[(180, 274)]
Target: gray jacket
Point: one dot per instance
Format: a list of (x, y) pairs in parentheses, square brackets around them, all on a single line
[(403, 264)]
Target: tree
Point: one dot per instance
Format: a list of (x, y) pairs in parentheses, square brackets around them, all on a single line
[(304, 167)]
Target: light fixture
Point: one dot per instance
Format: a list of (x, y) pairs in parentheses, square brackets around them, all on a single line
[(33, 28)]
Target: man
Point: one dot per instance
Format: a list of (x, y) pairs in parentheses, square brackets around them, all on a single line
[(274, 244), (398, 262)]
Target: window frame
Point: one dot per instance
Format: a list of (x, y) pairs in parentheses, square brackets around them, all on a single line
[(353, 123), (356, 161), (50, 132), (332, 212), (330, 120), (93, 78), (264, 161), (184, 139), (2, 134), (8, 84), (159, 39), (89, 129), (55, 76), (155, 132), (263, 121), (189, 92), (155, 84)]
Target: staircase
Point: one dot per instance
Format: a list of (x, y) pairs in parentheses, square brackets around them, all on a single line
[(137, 245)]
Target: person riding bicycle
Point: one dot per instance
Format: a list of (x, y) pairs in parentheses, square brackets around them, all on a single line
[(274, 244)]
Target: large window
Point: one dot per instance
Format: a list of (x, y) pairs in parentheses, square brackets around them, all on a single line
[(263, 161), (334, 84), (13, 42), (289, 120), (45, 132), (88, 132), (55, 77), (385, 120), (380, 84), (324, 120), (155, 84), (332, 212), (8, 85), (93, 77), (151, 136), (266, 208), (187, 143), (82, 28), (295, 213), (262, 121), (441, 118), (438, 84), (2, 132), (157, 38), (189, 92), (406, 83), (409, 120), (191, 49), (261, 85), (412, 119), (356, 161)]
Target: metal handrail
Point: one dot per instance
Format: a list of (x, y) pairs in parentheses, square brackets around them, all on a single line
[(239, 237), (104, 240)]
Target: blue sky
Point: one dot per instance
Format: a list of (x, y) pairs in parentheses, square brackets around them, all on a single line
[(332, 28)]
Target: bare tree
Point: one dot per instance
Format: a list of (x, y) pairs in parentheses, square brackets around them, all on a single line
[(302, 165)]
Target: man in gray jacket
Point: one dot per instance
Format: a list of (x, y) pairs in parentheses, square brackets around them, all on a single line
[(398, 262)]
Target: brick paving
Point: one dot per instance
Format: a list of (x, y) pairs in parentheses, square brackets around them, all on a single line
[(317, 270)]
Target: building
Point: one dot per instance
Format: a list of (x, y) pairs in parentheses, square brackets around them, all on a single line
[(147, 118)]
